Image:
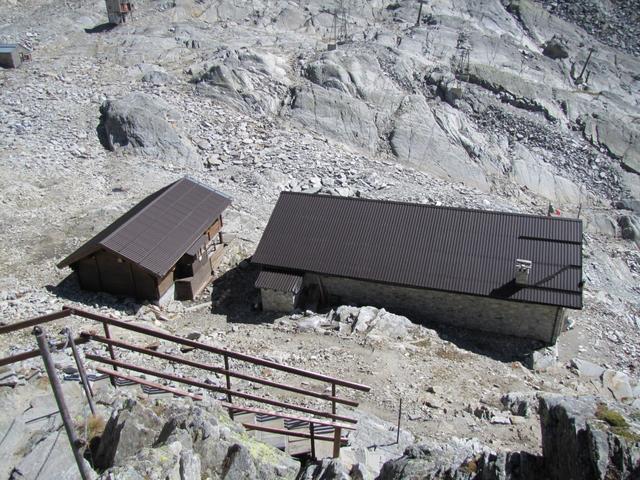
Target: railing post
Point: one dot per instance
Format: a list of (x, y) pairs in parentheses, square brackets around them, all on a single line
[(313, 440), (83, 374), (228, 378), (399, 419), (337, 439), (112, 353), (333, 402), (41, 337)]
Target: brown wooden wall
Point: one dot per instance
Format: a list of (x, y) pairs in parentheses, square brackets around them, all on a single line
[(103, 272)]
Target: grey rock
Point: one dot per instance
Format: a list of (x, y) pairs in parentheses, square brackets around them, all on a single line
[(157, 77), (618, 384), (522, 404), (630, 225), (336, 114), (575, 444), (543, 359), (199, 440), (327, 469), (129, 429), (555, 48), (144, 123), (620, 138), (418, 138), (586, 368)]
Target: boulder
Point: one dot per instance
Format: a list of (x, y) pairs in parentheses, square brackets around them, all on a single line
[(555, 48), (618, 384), (630, 225), (326, 469), (521, 403), (587, 369), (143, 123), (543, 358)]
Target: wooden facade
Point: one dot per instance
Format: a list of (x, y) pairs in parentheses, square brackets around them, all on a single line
[(105, 271)]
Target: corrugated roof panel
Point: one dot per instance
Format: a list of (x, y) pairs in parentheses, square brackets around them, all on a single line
[(284, 282), (442, 248)]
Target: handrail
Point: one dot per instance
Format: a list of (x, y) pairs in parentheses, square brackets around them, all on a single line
[(109, 321), (290, 433), (212, 368), (32, 322), (142, 381), (219, 351), (19, 357), (228, 406), (214, 388)]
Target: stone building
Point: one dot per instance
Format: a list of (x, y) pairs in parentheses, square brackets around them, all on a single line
[(119, 11), (500, 272), (165, 247), (12, 55)]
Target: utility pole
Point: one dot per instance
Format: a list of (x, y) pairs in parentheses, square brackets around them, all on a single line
[(419, 13)]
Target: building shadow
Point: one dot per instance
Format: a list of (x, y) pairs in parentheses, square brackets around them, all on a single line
[(69, 289), (233, 294), (502, 348), (103, 27)]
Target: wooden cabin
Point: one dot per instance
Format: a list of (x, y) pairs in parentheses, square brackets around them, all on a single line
[(165, 247), (119, 11), (12, 55)]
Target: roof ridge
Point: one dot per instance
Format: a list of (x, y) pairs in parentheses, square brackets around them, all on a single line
[(425, 205)]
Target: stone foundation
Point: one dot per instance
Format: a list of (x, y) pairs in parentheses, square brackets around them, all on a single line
[(276, 301), (526, 320)]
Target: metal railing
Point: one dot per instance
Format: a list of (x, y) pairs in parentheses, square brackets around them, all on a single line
[(327, 418)]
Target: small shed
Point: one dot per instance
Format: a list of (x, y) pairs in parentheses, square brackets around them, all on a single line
[(13, 54), (498, 272), (119, 11), (165, 247)]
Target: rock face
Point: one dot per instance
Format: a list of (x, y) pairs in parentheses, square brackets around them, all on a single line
[(437, 464), (579, 442), (144, 123), (577, 445), (173, 439)]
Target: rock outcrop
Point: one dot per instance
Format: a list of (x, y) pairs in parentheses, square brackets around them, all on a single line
[(181, 440), (146, 124), (582, 439)]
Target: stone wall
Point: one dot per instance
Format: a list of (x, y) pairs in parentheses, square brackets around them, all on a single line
[(539, 322), (276, 301)]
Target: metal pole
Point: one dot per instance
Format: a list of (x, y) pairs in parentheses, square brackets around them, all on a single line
[(112, 354), (313, 440), (228, 378), (83, 375), (333, 402), (41, 337), (337, 439), (419, 13), (399, 418)]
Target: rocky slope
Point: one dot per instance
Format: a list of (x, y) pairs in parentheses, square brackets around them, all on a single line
[(483, 104)]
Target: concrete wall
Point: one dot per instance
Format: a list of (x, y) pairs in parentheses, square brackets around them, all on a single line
[(480, 313), (276, 301)]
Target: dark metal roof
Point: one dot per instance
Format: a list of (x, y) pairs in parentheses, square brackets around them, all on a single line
[(424, 246), (285, 282), (161, 228)]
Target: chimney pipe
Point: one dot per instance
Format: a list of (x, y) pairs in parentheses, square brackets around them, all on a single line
[(523, 269)]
